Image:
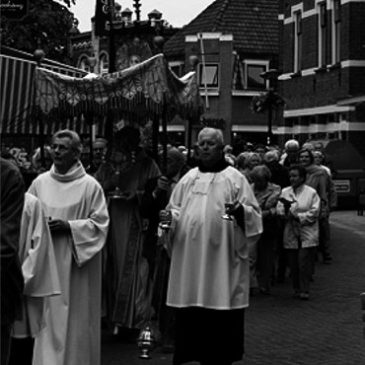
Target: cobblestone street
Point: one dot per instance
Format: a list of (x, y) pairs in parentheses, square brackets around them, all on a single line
[(326, 330)]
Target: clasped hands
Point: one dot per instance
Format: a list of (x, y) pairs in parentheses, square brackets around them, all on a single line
[(59, 225), (235, 209)]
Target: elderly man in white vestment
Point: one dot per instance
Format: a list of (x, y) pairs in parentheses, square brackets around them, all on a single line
[(75, 205), (209, 273)]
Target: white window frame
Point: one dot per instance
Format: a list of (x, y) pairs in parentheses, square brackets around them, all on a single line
[(101, 63), (298, 40), (249, 62), (83, 63), (200, 69), (322, 52), (336, 33)]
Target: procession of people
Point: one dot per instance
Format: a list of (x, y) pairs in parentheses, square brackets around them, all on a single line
[(136, 241)]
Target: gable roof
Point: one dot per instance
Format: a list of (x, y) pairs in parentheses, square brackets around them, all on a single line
[(253, 23)]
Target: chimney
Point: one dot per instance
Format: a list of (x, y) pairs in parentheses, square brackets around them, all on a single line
[(154, 17), (127, 16)]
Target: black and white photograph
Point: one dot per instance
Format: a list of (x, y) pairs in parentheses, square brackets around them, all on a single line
[(182, 182)]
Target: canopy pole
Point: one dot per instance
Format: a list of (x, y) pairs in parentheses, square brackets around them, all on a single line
[(41, 132), (164, 132), (91, 138), (190, 132), (38, 56), (155, 128), (194, 61)]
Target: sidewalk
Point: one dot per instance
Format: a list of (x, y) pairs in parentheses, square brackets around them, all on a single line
[(326, 330), (349, 219)]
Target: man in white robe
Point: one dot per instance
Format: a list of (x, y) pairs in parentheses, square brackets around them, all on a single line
[(78, 219), (209, 273)]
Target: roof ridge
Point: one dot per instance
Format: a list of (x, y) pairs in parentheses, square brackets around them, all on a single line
[(220, 14)]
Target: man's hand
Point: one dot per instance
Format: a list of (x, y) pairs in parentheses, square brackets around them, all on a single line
[(165, 216), (58, 225), (233, 208), (128, 195), (163, 183)]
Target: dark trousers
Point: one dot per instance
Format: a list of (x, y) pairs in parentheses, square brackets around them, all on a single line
[(209, 336), (21, 352), (5, 343), (324, 237), (167, 324), (301, 267), (282, 260), (265, 260)]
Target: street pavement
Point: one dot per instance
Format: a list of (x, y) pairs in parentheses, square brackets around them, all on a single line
[(280, 330)]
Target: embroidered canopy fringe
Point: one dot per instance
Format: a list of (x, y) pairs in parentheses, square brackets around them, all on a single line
[(144, 90)]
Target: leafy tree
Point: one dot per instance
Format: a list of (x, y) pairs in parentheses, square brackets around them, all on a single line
[(47, 26)]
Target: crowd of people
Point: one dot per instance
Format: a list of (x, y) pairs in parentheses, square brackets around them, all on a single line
[(127, 241)]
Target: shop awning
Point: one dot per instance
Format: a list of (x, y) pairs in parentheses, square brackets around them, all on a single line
[(17, 71)]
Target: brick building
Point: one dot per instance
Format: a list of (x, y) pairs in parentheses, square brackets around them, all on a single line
[(234, 41), (323, 70)]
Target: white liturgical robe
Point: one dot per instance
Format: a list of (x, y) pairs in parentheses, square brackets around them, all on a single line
[(72, 332), (209, 255), (39, 268)]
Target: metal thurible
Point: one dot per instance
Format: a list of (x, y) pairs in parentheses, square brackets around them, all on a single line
[(146, 342)]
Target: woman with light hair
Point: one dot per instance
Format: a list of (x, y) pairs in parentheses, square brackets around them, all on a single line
[(267, 195), (242, 163), (290, 156)]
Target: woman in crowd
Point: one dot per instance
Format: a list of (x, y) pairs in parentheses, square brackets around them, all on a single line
[(254, 160), (242, 163), (246, 161), (300, 205), (267, 195), (319, 180), (315, 175)]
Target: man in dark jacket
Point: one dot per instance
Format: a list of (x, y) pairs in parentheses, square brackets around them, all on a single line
[(280, 176), (12, 200)]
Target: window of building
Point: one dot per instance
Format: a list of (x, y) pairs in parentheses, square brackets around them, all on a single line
[(177, 67), (104, 63), (322, 34), (336, 31), (298, 41), (84, 64), (208, 75), (253, 69)]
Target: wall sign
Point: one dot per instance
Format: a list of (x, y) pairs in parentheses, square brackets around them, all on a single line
[(342, 186)]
